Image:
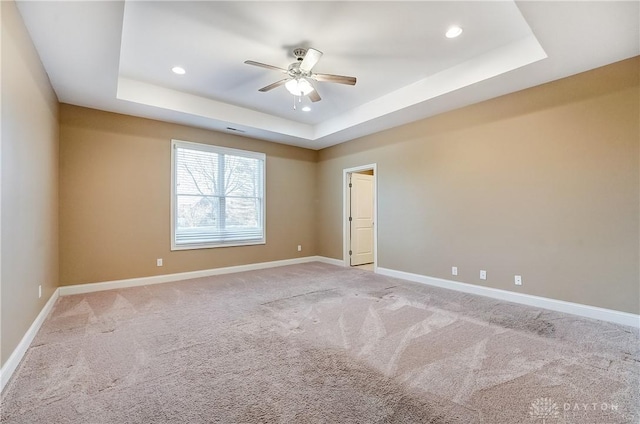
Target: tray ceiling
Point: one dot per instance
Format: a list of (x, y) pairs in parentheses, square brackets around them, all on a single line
[(118, 56)]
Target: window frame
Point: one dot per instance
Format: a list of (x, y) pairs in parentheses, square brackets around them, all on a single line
[(175, 144)]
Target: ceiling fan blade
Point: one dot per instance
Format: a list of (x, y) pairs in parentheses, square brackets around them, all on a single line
[(274, 85), (264, 65), (340, 79), (314, 96), (310, 60)]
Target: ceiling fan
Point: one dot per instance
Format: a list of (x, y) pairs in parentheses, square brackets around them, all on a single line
[(300, 72)]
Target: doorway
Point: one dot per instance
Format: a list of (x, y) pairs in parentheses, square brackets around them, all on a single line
[(359, 217)]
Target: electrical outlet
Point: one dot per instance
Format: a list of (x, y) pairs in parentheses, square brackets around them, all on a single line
[(518, 280), (40, 291), (159, 262), (299, 248), (483, 274), (454, 270)]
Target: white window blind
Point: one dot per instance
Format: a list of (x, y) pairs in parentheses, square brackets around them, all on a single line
[(217, 196)]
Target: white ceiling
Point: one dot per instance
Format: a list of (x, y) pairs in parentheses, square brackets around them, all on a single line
[(117, 56)]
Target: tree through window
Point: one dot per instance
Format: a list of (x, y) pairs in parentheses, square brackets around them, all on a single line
[(218, 196)]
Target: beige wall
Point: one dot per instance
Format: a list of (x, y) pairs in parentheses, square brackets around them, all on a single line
[(542, 183), (29, 188), (115, 180)]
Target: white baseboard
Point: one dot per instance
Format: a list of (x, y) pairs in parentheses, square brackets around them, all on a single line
[(167, 278), (331, 261), (16, 356), (586, 311)]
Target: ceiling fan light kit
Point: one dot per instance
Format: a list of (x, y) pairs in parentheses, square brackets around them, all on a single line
[(299, 87), (300, 73)]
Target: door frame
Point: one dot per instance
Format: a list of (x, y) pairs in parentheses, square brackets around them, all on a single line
[(345, 212)]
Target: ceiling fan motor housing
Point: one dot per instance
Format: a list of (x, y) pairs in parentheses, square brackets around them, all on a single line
[(294, 71)]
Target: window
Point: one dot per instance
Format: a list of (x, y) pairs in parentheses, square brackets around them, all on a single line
[(217, 196)]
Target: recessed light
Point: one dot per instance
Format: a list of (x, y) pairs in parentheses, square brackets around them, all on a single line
[(306, 109), (453, 32), (178, 70)]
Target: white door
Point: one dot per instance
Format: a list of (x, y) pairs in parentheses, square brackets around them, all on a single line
[(361, 219)]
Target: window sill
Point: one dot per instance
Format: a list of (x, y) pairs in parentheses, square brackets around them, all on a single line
[(196, 246)]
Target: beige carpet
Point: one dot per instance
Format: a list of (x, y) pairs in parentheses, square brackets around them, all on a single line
[(316, 343)]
